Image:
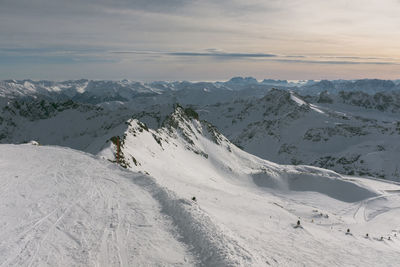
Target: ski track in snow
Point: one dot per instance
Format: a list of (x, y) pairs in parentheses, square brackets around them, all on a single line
[(250, 206), (66, 209)]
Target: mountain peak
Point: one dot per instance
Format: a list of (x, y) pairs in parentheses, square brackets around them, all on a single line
[(243, 80)]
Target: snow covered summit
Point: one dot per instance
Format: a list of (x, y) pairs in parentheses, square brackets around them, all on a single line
[(256, 203), (188, 195)]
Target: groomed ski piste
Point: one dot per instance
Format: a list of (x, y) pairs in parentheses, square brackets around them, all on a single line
[(187, 198)]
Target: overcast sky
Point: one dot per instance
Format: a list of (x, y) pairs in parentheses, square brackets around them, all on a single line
[(199, 39)]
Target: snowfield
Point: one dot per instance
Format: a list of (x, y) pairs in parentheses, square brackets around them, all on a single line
[(257, 203), (183, 194), (188, 198), (350, 127), (60, 207)]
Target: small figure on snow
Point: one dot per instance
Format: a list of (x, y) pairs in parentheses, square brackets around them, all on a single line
[(298, 225), (194, 199), (367, 235), (348, 232)]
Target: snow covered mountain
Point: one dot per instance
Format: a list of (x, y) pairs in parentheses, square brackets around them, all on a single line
[(188, 197), (254, 204), (348, 132), (93, 92), (89, 91), (351, 133)]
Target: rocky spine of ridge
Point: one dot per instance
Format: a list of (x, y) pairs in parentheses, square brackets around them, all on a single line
[(182, 127)]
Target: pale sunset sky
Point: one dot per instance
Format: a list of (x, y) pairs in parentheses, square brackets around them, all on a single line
[(199, 39)]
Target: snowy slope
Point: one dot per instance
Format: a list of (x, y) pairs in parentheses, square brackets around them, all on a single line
[(351, 133), (354, 133), (57, 203), (256, 203), (66, 123), (60, 207)]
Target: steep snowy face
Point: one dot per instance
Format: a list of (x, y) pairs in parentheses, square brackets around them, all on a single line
[(185, 147), (353, 133), (65, 123), (181, 130), (256, 203)]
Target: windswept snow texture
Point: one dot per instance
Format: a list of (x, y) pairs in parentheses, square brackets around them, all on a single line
[(190, 196), (256, 203), (59, 207)]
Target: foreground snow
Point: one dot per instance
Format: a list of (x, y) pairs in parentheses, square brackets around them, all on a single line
[(191, 197), (59, 207)]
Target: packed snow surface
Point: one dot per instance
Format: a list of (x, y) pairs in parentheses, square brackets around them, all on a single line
[(60, 207), (189, 197), (256, 204)]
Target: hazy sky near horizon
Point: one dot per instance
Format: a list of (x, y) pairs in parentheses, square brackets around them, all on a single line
[(199, 39)]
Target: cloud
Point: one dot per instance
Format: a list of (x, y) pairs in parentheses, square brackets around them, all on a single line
[(338, 62), (48, 55), (84, 55), (291, 32), (209, 53), (214, 53), (77, 7)]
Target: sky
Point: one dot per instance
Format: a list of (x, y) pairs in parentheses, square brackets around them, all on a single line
[(151, 40)]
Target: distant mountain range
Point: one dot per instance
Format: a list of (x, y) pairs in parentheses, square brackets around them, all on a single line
[(125, 90), (351, 127), (210, 174)]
